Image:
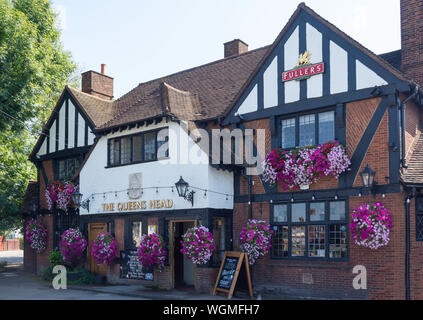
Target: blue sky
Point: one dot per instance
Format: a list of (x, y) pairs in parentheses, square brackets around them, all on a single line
[(141, 40)]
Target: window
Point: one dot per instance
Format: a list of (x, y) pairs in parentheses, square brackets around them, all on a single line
[(136, 233), (310, 230), (219, 240), (142, 147), (66, 168), (306, 130)]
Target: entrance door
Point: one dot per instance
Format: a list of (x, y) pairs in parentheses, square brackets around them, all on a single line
[(183, 267), (93, 230)]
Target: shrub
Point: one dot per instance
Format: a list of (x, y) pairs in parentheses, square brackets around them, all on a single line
[(55, 258)]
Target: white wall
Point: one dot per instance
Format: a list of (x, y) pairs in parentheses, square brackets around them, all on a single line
[(96, 179)]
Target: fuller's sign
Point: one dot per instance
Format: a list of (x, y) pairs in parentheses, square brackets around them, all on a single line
[(302, 73), (304, 69)]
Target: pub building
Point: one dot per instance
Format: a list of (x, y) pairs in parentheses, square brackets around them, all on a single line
[(312, 85)]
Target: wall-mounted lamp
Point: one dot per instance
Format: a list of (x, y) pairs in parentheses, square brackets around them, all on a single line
[(182, 188), (77, 197), (368, 178)]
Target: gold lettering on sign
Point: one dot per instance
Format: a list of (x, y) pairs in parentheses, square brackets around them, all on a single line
[(137, 205)]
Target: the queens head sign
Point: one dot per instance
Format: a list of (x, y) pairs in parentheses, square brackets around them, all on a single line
[(304, 69)]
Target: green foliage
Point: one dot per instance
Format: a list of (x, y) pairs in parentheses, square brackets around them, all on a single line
[(55, 258), (34, 69), (15, 171), (83, 276)]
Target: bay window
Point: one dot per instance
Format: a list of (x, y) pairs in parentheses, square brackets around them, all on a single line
[(309, 230)]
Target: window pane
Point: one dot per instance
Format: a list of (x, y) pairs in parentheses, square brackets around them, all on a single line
[(71, 168), (299, 212), (126, 150), (307, 130), (150, 146), (317, 211), (136, 233), (137, 148), (288, 133), (114, 152), (280, 241), (316, 241), (337, 241), (62, 169), (326, 126), (298, 241), (337, 211), (219, 239), (280, 213), (162, 144)]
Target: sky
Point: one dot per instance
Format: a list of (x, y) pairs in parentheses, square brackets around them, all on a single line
[(141, 40)]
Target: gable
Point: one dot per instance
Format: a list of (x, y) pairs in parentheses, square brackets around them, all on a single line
[(68, 128), (348, 67)]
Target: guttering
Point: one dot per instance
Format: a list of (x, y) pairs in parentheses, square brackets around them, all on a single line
[(402, 109), (407, 203)]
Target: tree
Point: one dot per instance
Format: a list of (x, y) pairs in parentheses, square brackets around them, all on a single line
[(34, 68), (15, 172)]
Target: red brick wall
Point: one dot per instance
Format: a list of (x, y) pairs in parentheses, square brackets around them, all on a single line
[(48, 169)]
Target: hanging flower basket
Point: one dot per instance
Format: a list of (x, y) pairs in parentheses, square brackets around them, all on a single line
[(104, 248), (72, 245), (371, 225), (255, 239), (36, 235), (303, 166), (152, 251), (198, 245), (60, 194)]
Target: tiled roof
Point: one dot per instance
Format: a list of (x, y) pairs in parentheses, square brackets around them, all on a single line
[(199, 93), (31, 195), (414, 173), (393, 58)]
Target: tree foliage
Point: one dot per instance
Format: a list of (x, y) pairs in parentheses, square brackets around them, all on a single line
[(34, 68)]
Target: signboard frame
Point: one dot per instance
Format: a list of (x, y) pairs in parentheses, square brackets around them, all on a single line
[(242, 258)]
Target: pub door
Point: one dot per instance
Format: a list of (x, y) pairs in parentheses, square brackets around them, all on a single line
[(183, 267), (93, 230)]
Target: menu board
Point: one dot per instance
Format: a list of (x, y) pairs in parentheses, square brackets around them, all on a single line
[(233, 264), (131, 268), (228, 273)]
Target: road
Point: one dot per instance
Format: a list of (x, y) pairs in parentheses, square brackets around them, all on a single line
[(17, 285)]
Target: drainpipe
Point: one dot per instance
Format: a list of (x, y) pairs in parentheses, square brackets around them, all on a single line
[(250, 196), (402, 109), (407, 204)]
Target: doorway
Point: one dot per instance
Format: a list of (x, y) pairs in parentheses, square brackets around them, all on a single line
[(183, 268), (93, 230)]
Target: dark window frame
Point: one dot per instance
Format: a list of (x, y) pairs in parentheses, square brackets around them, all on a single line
[(327, 223), (297, 116), (56, 167), (131, 156)]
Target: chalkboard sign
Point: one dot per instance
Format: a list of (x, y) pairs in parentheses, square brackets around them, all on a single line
[(228, 273), (131, 268), (230, 268)]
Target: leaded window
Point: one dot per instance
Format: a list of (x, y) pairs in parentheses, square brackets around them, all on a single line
[(310, 230), (66, 168), (138, 148), (307, 130)]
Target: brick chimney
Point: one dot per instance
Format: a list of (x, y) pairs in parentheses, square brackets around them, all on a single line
[(98, 84), (412, 39), (235, 48)]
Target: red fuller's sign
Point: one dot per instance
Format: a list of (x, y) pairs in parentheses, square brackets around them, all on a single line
[(304, 69), (303, 72)]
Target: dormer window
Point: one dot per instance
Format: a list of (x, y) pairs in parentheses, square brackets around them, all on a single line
[(138, 148)]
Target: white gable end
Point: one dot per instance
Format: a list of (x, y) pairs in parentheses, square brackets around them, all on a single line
[(367, 78)]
